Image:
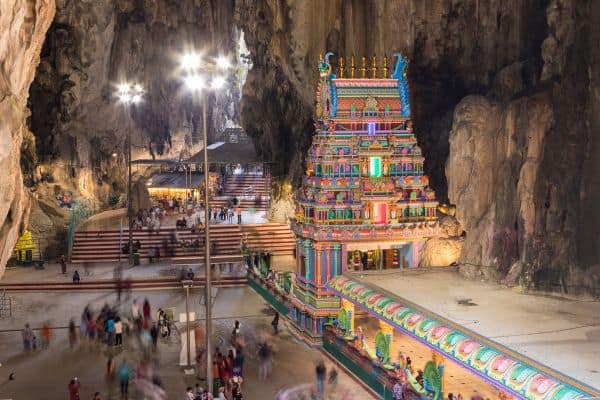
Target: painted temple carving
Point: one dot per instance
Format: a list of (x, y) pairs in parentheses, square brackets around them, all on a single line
[(364, 202)]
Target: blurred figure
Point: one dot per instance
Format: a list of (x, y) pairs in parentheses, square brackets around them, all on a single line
[(63, 265), (321, 372), (264, 359), (275, 323), (27, 335), (333, 380), (76, 277), (124, 374), (72, 333), (74, 389), (146, 309), (97, 396), (189, 394), (118, 332), (46, 335)]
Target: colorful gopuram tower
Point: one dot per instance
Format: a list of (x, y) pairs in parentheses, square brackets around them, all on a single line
[(364, 203)]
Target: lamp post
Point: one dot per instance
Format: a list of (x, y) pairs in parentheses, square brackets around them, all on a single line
[(130, 94), (187, 285), (198, 73)]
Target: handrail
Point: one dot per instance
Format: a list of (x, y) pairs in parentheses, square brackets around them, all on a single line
[(4, 301), (78, 212)]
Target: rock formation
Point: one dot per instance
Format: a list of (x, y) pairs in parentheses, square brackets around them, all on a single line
[(23, 25), (523, 162)]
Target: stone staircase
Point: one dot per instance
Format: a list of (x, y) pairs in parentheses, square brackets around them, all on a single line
[(246, 187), (104, 245), (276, 239)]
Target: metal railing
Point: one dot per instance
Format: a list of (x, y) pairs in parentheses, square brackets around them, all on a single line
[(78, 212), (5, 305)]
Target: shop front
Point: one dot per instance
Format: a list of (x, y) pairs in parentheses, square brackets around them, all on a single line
[(373, 256)]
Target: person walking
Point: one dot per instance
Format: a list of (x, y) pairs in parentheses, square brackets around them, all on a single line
[(72, 333), (27, 335), (63, 265), (264, 358), (146, 308), (76, 277), (74, 386), (333, 380), (118, 332), (238, 211), (275, 323), (124, 374), (321, 372), (110, 331), (46, 335)]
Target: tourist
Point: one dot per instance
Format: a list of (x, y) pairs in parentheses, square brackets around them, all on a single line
[(154, 336), (264, 358), (63, 264), (398, 391), (333, 379), (451, 396), (118, 332), (46, 335), (110, 331), (76, 277), (72, 333), (189, 394), (236, 391), (74, 389), (321, 372), (97, 396), (146, 309), (215, 211), (238, 211), (124, 373), (235, 332), (27, 335), (275, 323), (135, 311)]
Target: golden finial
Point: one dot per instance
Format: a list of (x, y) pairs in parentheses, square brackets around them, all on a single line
[(321, 57), (352, 67), (341, 67), (374, 67), (363, 67), (385, 66)]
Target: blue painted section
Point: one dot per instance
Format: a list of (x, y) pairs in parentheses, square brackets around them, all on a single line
[(333, 91), (403, 90)]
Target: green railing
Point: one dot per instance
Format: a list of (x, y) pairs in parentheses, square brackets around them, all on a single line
[(277, 304), (361, 367), (78, 212)]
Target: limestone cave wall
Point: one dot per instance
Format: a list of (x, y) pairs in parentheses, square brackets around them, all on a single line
[(23, 25)]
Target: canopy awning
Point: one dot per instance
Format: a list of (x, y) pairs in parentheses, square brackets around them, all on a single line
[(502, 367), (225, 153), (175, 180)]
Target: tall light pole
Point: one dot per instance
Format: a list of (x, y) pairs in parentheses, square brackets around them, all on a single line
[(130, 94), (201, 75)]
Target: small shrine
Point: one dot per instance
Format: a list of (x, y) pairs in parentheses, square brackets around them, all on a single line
[(25, 250), (364, 202)]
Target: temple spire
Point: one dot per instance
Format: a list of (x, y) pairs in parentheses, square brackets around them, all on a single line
[(374, 67), (385, 66), (352, 67), (341, 71), (363, 67)]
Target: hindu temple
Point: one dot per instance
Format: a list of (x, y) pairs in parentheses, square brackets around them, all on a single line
[(364, 202)]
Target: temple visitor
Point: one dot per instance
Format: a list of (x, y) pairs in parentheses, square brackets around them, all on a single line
[(333, 380), (63, 264), (264, 360), (275, 323), (321, 372), (46, 333), (238, 211), (118, 332), (27, 335), (74, 389), (76, 277), (124, 373)]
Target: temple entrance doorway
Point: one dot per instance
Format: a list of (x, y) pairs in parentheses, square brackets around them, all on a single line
[(380, 256)]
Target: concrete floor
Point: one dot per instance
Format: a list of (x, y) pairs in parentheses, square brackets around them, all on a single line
[(47, 372), (559, 333)]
